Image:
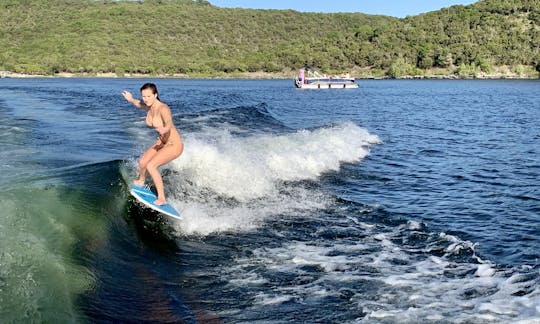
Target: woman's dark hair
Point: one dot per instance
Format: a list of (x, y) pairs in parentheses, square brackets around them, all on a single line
[(152, 87)]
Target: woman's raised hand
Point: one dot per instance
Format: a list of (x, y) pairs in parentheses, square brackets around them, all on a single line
[(127, 95)]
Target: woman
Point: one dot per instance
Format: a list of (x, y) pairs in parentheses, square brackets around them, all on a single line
[(169, 144)]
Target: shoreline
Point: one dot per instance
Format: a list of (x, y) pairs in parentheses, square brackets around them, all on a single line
[(363, 75)]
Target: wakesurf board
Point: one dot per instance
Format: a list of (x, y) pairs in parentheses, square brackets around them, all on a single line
[(147, 197)]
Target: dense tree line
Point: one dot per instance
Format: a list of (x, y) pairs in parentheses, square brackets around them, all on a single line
[(195, 38)]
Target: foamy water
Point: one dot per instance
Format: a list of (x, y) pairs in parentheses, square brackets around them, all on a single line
[(235, 183)]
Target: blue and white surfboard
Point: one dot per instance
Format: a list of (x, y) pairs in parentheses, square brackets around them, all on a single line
[(147, 197)]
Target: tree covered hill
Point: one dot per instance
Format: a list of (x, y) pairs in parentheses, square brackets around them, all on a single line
[(169, 37)]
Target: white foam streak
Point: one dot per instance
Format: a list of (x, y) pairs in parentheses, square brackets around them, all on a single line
[(257, 173), (247, 168), (401, 287), (211, 215), (203, 220), (226, 170)]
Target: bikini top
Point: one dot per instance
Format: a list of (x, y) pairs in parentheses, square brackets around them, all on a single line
[(154, 119)]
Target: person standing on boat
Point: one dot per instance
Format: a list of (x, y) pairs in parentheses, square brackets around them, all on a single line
[(168, 145)]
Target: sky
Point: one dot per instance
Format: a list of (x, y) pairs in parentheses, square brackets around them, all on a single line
[(395, 8)]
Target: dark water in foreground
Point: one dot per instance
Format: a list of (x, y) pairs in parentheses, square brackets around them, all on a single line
[(400, 201)]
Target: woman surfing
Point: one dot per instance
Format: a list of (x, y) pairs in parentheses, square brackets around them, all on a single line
[(168, 145)]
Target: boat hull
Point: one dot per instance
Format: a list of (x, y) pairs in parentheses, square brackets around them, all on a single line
[(325, 85)]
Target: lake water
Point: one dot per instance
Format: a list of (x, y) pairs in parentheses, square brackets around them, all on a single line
[(400, 201)]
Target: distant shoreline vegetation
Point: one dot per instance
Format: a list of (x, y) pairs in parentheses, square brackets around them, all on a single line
[(500, 73), (193, 39)]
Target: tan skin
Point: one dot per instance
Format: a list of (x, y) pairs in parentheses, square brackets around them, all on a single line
[(169, 145)]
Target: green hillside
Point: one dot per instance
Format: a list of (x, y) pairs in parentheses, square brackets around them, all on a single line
[(171, 37)]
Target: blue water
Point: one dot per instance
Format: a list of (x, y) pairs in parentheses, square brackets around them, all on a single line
[(400, 201)]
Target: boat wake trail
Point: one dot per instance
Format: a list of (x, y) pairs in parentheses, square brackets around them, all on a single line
[(225, 181)]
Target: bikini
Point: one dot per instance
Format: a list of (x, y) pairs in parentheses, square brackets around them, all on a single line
[(150, 122)]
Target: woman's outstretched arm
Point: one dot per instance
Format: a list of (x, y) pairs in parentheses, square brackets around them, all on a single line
[(136, 102)]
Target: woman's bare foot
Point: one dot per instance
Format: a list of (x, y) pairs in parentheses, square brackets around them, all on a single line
[(139, 183), (160, 202)]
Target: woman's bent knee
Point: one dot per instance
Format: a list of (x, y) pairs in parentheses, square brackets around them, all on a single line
[(143, 164), (151, 167)]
